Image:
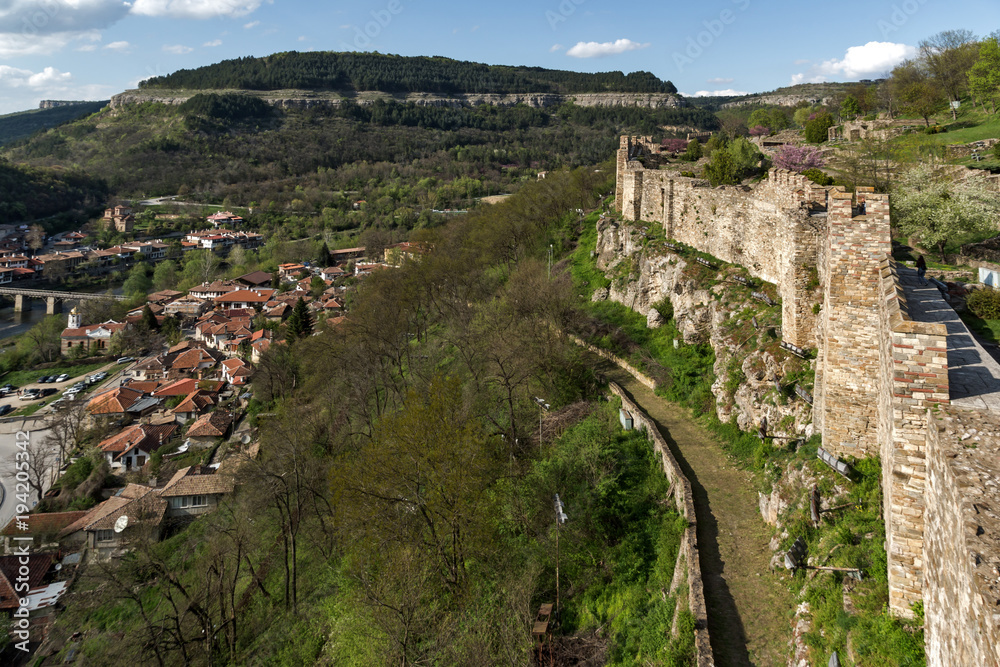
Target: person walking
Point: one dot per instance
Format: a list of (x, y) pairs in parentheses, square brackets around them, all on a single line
[(922, 270)]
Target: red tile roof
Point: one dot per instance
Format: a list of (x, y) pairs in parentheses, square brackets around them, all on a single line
[(213, 425), (40, 524), (146, 437), (113, 401)]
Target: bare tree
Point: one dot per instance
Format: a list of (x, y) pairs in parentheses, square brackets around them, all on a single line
[(66, 428), (949, 55), (37, 461)]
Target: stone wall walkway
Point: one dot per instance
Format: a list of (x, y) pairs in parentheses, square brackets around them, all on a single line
[(973, 373)]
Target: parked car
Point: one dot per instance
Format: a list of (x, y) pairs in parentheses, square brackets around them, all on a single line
[(4, 409), (6, 389), (44, 379), (30, 395), (48, 391), (125, 360), (62, 378), (100, 376)]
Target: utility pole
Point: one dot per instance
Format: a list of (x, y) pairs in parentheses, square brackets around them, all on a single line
[(560, 519), (550, 262)]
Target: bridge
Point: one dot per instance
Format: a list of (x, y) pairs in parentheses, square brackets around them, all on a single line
[(23, 297)]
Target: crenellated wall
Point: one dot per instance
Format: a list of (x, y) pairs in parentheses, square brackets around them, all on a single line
[(881, 377)]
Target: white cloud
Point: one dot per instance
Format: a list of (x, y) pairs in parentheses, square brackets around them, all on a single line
[(32, 27), (802, 61), (194, 9), (728, 92), (302, 38), (87, 47), (858, 62), (118, 46), (214, 42), (556, 47), (16, 44), (178, 49), (14, 77), (601, 49), (31, 18), (720, 79), (254, 24)]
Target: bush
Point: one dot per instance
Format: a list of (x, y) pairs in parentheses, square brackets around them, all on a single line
[(816, 128), (818, 177), (996, 151), (740, 159), (933, 129), (984, 303), (693, 151)]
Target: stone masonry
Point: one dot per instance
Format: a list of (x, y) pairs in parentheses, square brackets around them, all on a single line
[(883, 371), (962, 581)]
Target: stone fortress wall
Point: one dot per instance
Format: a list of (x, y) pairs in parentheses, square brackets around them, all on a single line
[(879, 373)]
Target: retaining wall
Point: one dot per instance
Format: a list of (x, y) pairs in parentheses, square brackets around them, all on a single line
[(684, 501)]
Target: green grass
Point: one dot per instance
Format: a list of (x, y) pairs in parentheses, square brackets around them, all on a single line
[(21, 378)]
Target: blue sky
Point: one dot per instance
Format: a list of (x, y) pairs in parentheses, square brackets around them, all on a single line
[(92, 49)]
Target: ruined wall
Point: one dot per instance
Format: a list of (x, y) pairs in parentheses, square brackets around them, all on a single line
[(962, 579), (770, 228), (684, 502)]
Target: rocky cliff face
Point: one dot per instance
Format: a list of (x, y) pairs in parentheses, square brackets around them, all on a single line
[(777, 100), (642, 278), (301, 99)]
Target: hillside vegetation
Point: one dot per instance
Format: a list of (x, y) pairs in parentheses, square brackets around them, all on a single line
[(14, 126), (398, 74), (34, 193)]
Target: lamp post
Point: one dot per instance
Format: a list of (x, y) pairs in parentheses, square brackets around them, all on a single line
[(542, 405), (560, 519)]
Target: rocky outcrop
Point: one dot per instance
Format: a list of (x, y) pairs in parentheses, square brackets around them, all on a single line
[(52, 104), (642, 280), (777, 100), (304, 99)]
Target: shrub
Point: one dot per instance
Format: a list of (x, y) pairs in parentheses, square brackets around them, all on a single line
[(816, 127), (818, 177), (798, 158), (996, 151), (933, 129), (759, 131), (730, 165), (693, 152), (674, 145), (984, 303)]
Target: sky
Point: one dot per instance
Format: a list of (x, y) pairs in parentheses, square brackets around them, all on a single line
[(92, 49)]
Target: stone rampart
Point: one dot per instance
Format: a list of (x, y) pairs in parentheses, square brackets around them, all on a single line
[(771, 228), (961, 590), (913, 375), (684, 501)]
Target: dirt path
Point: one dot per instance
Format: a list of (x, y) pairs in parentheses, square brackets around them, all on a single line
[(749, 611)]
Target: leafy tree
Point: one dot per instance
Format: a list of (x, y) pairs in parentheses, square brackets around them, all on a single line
[(317, 286), (936, 208), (759, 131), (739, 159), (165, 275), (798, 158), (138, 283), (43, 340), (693, 151), (948, 57), (816, 127), (850, 107), (984, 75), (916, 91), (324, 258), (802, 115)]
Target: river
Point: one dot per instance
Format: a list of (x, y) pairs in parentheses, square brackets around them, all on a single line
[(12, 324)]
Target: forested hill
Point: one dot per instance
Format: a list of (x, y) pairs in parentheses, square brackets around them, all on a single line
[(398, 74)]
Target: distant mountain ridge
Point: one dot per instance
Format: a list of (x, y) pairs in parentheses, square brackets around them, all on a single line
[(360, 72), (51, 113)]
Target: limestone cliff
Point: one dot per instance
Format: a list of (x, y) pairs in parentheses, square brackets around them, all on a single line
[(303, 99), (643, 277)]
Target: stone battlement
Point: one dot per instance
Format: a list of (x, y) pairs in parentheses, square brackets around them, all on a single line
[(880, 372)]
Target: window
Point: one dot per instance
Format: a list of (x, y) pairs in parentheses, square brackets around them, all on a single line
[(183, 502), (105, 535)]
